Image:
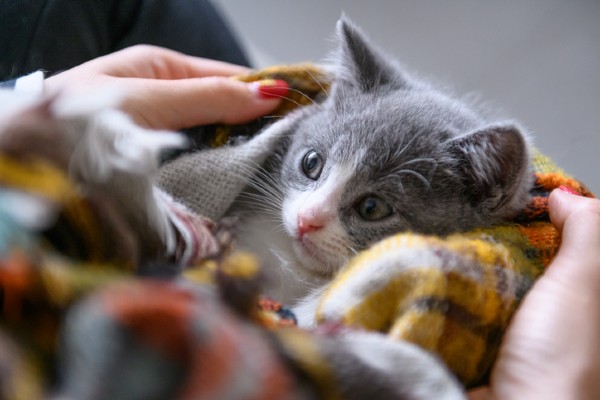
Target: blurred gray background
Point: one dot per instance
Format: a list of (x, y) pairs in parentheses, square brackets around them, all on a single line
[(537, 60)]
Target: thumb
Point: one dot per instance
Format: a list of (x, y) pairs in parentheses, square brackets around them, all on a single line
[(578, 220), (550, 349), (176, 104)]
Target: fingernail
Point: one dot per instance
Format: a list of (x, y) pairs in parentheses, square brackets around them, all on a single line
[(568, 190), (270, 88)]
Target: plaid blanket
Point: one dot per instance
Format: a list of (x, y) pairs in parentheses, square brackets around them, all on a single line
[(96, 304), (451, 295)]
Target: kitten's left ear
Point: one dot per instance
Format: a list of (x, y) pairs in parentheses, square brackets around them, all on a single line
[(361, 64), (495, 168)]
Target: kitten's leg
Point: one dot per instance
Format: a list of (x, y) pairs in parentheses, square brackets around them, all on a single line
[(306, 308)]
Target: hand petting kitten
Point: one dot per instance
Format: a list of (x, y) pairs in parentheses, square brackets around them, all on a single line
[(164, 89)]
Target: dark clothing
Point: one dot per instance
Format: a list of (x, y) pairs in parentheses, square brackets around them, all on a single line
[(54, 35)]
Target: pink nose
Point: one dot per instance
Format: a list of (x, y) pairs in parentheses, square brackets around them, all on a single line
[(310, 221), (305, 227)]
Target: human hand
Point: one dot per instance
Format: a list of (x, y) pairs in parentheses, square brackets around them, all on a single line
[(552, 347), (164, 89)]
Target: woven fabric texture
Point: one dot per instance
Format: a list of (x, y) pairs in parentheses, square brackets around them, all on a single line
[(83, 317)]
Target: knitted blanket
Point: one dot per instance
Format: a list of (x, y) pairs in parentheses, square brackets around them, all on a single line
[(102, 300), (451, 295)]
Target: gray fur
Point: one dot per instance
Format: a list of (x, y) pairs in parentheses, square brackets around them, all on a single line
[(439, 163), (476, 171)]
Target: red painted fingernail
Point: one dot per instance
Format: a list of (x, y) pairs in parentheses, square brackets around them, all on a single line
[(568, 190), (271, 88)]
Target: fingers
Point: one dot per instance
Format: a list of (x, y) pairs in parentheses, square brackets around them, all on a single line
[(164, 104), (578, 219), (165, 89), (145, 61), (199, 67), (562, 204)]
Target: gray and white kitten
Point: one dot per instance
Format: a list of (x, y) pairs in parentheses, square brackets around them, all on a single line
[(384, 153)]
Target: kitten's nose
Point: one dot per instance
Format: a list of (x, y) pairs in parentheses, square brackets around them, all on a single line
[(309, 222)]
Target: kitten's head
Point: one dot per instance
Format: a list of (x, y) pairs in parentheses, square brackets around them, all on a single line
[(386, 153)]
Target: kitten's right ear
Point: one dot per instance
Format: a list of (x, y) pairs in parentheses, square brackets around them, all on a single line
[(495, 168), (361, 64)]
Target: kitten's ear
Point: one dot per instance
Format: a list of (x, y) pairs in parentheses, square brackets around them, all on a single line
[(494, 166), (361, 64)]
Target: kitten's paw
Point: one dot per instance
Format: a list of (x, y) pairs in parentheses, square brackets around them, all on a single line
[(306, 309)]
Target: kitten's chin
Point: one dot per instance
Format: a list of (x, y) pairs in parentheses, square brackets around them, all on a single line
[(312, 261)]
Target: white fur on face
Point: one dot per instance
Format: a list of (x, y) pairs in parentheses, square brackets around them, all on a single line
[(327, 248)]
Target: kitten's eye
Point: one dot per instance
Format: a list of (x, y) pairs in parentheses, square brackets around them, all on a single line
[(372, 208), (312, 165)]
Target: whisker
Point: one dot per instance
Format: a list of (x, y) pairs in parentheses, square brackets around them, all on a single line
[(352, 250), (281, 228), (421, 159), (401, 185), (399, 153), (260, 202), (266, 214), (317, 81), (263, 181), (303, 94), (416, 175)]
